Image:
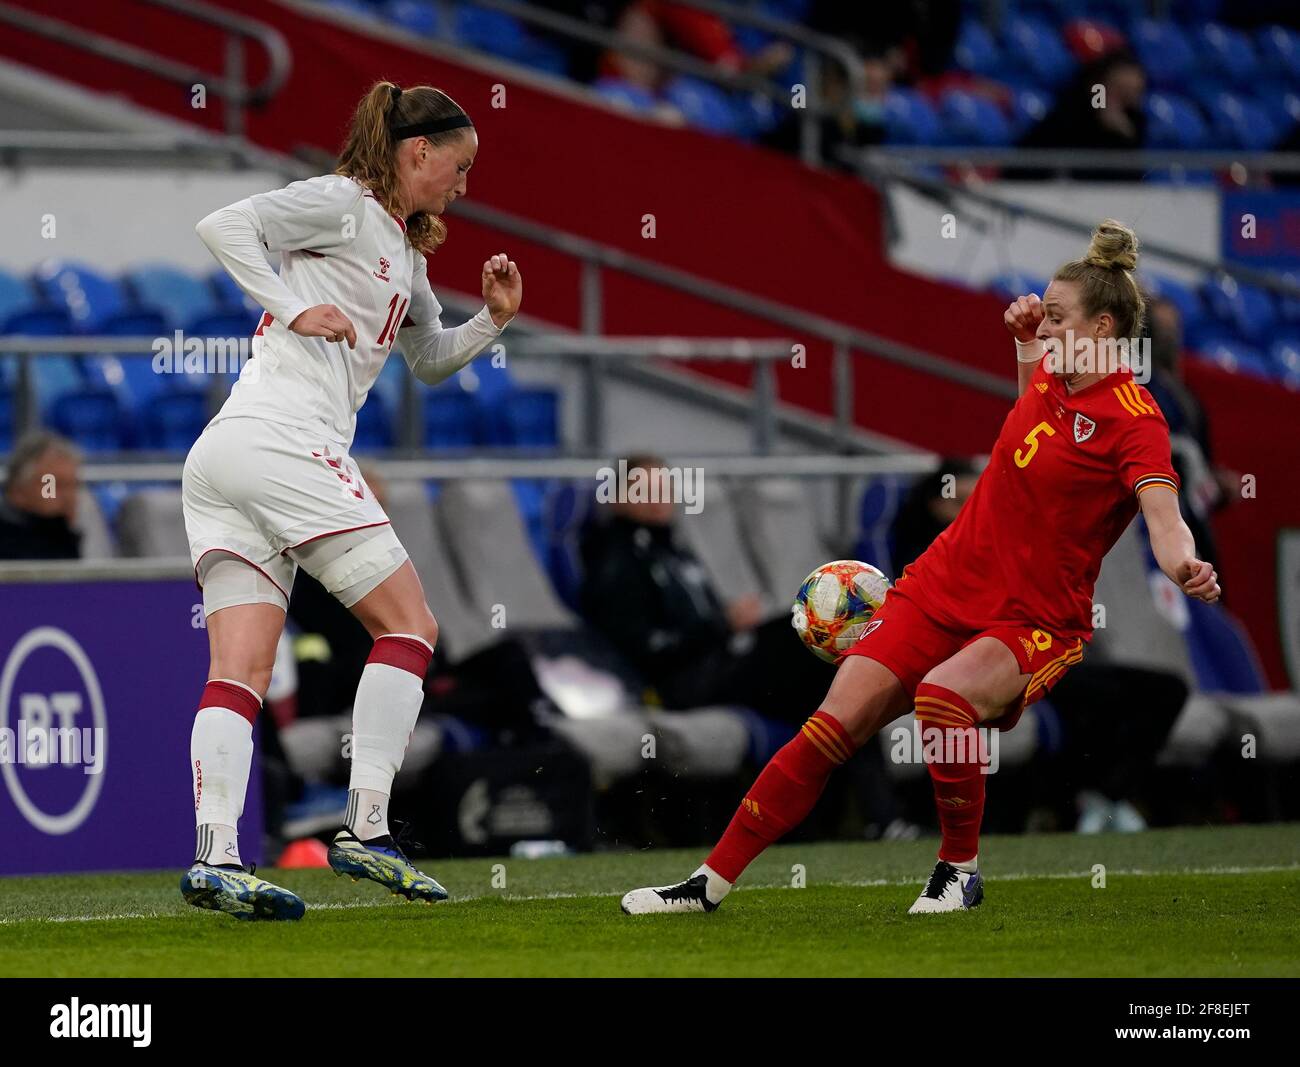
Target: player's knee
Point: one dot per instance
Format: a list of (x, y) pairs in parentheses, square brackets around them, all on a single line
[(426, 628), (254, 675)]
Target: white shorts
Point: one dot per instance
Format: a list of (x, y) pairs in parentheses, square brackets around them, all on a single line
[(257, 490)]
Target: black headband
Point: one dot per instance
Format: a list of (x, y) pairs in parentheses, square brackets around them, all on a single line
[(420, 129)]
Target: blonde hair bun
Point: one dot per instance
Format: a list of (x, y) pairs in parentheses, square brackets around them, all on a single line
[(1114, 247)]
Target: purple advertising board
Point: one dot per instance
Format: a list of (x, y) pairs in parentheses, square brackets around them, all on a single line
[(99, 682)]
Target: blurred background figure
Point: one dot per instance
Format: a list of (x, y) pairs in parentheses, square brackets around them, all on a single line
[(38, 513)]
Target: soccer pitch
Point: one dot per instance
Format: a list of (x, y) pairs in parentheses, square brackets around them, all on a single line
[(1187, 902)]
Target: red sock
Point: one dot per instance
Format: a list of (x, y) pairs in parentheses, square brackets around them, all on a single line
[(957, 772), (783, 794)]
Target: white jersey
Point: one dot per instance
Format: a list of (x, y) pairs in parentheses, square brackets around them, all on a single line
[(338, 246)]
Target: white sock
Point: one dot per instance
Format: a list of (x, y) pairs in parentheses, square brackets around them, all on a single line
[(221, 757), (715, 887), (383, 716), (969, 866), (367, 815)]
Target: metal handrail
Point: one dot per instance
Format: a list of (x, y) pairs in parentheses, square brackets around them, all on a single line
[(941, 188), (229, 87), (1063, 159), (478, 469)]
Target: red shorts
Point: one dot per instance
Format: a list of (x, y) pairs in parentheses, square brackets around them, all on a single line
[(902, 637)]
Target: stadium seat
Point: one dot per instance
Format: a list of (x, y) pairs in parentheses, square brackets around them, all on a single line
[(1011, 284), (1248, 311), (151, 523), (374, 428), (8, 418), (480, 525), (92, 417), (462, 630), (530, 500), (94, 302), (780, 529), (450, 417), (705, 106), (1165, 51), (173, 419), (910, 119), (713, 534), (1278, 48), (1237, 357), (1089, 39), (565, 512), (880, 502), (229, 295), (534, 417), (1029, 107), (418, 16), (1182, 295), (1041, 55), (1173, 121), (976, 50), (1227, 53), (96, 538), (1221, 652), (1285, 356), (625, 95), (969, 119), (1239, 122), (181, 297)]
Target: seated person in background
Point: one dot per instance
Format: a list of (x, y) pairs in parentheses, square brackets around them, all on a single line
[(1116, 718), (39, 506), (651, 597)]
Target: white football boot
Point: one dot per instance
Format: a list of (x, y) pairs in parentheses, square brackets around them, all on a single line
[(689, 895), (949, 890)]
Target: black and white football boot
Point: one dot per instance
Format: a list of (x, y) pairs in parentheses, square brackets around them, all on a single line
[(689, 895), (949, 890)]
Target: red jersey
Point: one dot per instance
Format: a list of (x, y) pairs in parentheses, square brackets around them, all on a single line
[(1061, 486)]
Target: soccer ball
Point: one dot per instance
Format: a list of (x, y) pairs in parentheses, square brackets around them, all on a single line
[(834, 605)]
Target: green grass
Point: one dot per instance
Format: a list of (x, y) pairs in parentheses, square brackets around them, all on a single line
[(1223, 901)]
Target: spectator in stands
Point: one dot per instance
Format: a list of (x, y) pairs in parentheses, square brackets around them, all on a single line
[(915, 37), (1115, 718), (857, 119), (38, 511), (1100, 109), (651, 597)]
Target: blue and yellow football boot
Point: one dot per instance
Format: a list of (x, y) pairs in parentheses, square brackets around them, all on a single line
[(382, 860), (239, 892)]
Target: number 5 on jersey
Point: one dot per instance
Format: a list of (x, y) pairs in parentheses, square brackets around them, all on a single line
[(1031, 439), (395, 315)]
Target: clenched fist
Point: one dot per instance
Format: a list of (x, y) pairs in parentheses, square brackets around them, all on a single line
[(1023, 316)]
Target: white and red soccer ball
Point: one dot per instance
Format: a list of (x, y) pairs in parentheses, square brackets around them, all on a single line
[(834, 605)]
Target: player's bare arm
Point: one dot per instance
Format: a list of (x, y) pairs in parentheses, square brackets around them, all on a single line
[(1173, 547), (1022, 318)]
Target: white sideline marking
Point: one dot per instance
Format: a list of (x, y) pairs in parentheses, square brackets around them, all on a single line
[(1021, 876)]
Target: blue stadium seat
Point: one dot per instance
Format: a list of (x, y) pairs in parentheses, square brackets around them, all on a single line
[(909, 119), (705, 106), (1281, 103), (173, 419), (224, 324), (8, 415), (1039, 52), (374, 424), (976, 50), (92, 417), (625, 94), (1173, 121), (1181, 295), (229, 295), (1285, 355), (1238, 357), (418, 16), (1165, 52), (1227, 53), (1221, 652), (534, 417), (530, 499), (94, 302), (567, 510), (973, 120), (450, 417), (1278, 48), (880, 503), (1029, 107), (1239, 122), (22, 311), (1248, 311), (181, 297)]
